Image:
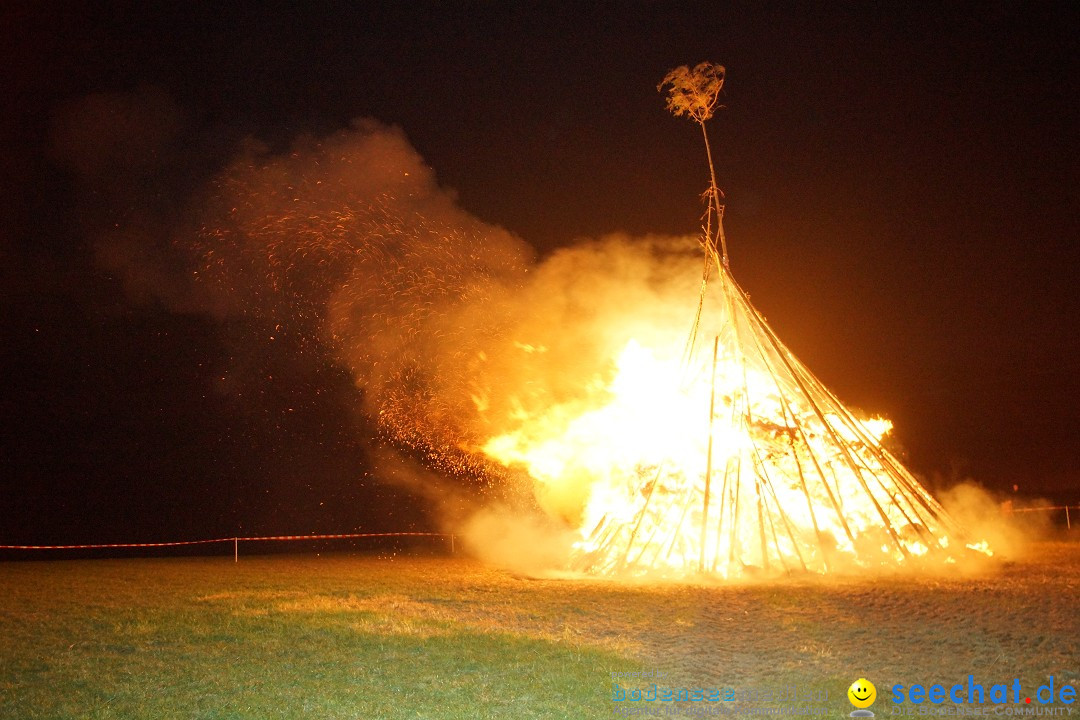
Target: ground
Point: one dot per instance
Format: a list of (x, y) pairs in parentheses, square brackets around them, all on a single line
[(434, 637)]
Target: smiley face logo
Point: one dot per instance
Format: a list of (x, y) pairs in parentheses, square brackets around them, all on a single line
[(862, 693)]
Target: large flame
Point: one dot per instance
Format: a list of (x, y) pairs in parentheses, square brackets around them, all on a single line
[(723, 455)]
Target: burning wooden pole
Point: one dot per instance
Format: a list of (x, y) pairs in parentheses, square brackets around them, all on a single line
[(708, 455)]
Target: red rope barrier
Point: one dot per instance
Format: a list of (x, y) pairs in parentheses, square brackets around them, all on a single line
[(177, 543)]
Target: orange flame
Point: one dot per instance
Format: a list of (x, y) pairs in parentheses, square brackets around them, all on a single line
[(727, 460)]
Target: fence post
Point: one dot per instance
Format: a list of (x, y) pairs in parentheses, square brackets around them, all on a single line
[(236, 550), (452, 551), (1068, 523)]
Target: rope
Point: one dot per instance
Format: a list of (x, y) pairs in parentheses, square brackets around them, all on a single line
[(176, 543)]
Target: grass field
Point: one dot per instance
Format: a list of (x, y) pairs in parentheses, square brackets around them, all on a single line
[(363, 637)]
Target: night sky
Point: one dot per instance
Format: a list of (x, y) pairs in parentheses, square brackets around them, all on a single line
[(902, 206)]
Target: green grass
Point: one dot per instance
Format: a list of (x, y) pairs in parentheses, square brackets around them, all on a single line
[(281, 637), (362, 637)]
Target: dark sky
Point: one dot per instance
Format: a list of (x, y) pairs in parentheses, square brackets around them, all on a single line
[(902, 205)]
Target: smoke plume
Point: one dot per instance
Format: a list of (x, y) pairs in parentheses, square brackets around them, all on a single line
[(449, 326)]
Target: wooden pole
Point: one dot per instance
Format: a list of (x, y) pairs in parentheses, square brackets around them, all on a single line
[(236, 550), (708, 455), (714, 198)]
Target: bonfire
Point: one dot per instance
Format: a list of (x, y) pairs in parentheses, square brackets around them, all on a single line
[(727, 456)]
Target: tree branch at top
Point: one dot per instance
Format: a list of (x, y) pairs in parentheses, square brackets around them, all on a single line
[(696, 94)]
